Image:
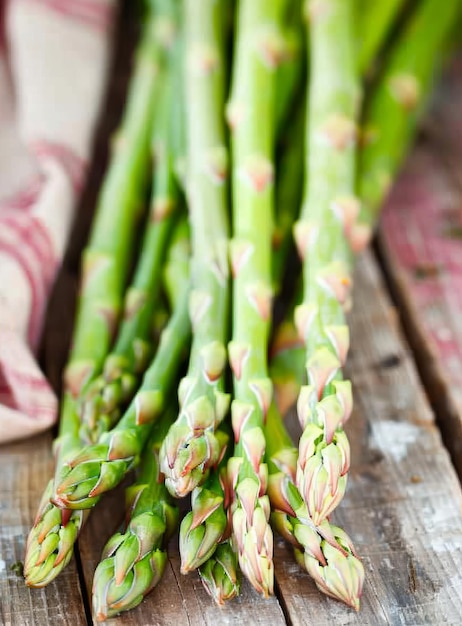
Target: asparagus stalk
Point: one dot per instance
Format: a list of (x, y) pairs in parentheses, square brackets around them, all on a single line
[(205, 525), (193, 444), (133, 562), (324, 550), (325, 402), (291, 68), (106, 397), (251, 113), (287, 349), (397, 103), (106, 258), (220, 574), (50, 542), (373, 27), (99, 467)]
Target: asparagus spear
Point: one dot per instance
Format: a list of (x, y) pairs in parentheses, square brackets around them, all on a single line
[(373, 27), (106, 397), (324, 403), (324, 550), (396, 105), (291, 69), (100, 467), (50, 541), (198, 539), (193, 444), (133, 562), (106, 258), (287, 347), (220, 573), (251, 113)]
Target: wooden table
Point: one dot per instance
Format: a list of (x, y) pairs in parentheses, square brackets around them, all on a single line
[(403, 506)]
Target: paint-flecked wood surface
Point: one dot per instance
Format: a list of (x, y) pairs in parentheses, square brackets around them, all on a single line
[(421, 246)]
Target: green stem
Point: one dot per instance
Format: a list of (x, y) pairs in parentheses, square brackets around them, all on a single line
[(397, 103), (134, 561), (291, 68), (192, 444), (108, 395), (100, 467), (107, 256), (320, 235), (260, 47)]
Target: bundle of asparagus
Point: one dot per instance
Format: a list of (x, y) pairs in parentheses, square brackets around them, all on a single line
[(292, 123)]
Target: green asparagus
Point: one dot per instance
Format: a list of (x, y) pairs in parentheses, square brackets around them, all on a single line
[(374, 21), (106, 258), (108, 395), (193, 444), (50, 543), (134, 561), (324, 403), (220, 574), (324, 550), (100, 467), (260, 46), (206, 524)]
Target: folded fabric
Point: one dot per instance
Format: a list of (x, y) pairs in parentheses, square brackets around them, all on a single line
[(54, 58)]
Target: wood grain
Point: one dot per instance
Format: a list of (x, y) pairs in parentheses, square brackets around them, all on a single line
[(25, 469)]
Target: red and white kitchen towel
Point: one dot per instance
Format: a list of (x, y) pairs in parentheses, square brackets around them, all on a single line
[(54, 58)]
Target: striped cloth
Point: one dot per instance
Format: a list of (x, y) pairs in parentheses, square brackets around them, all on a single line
[(53, 62)]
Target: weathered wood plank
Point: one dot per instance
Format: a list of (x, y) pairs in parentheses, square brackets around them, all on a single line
[(25, 469), (420, 242), (403, 501)]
